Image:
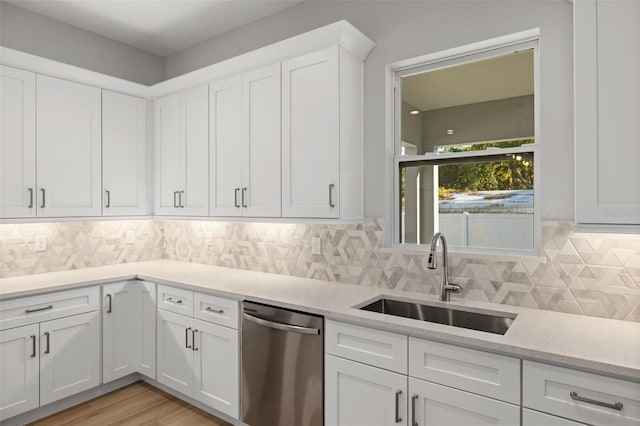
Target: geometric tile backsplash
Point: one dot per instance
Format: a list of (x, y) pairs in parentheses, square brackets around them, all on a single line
[(590, 274)]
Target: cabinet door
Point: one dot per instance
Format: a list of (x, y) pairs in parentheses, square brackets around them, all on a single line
[(175, 352), (225, 148), (216, 367), (69, 356), (68, 148), (119, 331), (17, 143), (311, 135), (168, 154), (360, 395), (124, 154), (147, 329), (194, 115), (261, 187), (19, 369), (436, 405), (607, 107), (536, 418)]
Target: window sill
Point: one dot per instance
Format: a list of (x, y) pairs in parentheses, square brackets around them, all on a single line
[(495, 256)]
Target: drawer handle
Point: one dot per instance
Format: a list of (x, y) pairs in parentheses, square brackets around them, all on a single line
[(33, 346), (215, 311), (170, 299), (398, 418), (30, 311), (615, 406)]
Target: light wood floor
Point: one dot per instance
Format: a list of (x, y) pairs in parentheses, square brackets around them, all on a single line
[(136, 404)]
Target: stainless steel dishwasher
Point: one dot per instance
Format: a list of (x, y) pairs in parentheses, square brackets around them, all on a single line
[(282, 367)]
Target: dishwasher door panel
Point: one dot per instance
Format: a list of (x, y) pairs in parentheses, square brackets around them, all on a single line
[(282, 370)]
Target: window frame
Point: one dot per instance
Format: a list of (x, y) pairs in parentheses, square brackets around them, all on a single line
[(469, 53)]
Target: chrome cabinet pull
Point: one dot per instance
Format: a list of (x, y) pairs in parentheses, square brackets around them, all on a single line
[(30, 311), (30, 198), (33, 346), (215, 311), (47, 336), (109, 305), (398, 418), (175, 202), (615, 406), (331, 186), (193, 339), (170, 299), (43, 198), (235, 197), (108, 199), (414, 398), (244, 193), (180, 204), (186, 338)]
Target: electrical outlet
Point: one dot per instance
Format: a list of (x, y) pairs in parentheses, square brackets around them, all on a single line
[(41, 243), (209, 237), (316, 245), (131, 237)]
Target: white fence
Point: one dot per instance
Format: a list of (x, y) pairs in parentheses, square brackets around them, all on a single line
[(493, 230)]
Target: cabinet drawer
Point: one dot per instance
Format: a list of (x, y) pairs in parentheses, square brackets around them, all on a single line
[(483, 373), (535, 418), (216, 310), (549, 388), (175, 300), (369, 346), (30, 310)]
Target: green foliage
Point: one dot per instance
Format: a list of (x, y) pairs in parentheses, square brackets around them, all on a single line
[(510, 174)]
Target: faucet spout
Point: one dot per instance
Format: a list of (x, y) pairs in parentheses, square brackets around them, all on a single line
[(446, 288)]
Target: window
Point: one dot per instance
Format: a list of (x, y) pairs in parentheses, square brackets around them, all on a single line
[(466, 150)]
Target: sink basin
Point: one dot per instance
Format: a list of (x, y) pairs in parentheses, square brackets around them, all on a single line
[(497, 324)]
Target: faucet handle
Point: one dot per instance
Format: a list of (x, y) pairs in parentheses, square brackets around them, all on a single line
[(453, 288)]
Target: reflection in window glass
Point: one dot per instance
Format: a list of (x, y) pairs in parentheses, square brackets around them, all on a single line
[(477, 202)]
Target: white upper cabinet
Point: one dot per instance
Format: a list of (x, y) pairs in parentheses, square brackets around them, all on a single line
[(311, 135), (607, 107), (182, 153), (225, 147), (124, 154), (261, 142), (69, 148), (17, 143), (244, 120)]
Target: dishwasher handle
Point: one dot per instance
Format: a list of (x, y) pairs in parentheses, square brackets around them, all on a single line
[(281, 326)]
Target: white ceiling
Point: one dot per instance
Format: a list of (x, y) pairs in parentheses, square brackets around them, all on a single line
[(161, 27), (502, 77)]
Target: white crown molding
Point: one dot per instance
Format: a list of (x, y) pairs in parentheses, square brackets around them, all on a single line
[(40, 65), (340, 33)]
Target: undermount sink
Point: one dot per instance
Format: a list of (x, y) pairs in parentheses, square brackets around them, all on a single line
[(497, 324)]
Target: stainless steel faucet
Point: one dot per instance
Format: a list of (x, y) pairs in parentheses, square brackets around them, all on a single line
[(445, 287)]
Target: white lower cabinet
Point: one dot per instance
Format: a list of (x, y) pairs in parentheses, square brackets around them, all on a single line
[(128, 329), (216, 352), (200, 360), (175, 353), (20, 370), (437, 405), (536, 418), (361, 395), (69, 356)]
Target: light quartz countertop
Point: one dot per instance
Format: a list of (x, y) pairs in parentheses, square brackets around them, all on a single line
[(611, 347)]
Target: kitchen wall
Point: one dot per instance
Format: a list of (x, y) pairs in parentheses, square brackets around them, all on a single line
[(405, 29), (30, 32), (589, 274)]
